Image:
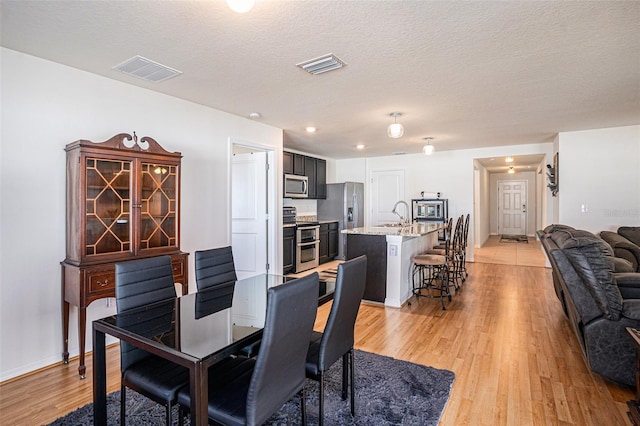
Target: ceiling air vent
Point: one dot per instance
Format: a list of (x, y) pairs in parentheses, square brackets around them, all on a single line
[(322, 64), (146, 69)]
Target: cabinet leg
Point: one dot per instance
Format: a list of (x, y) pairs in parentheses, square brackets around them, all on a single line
[(82, 324), (65, 332)]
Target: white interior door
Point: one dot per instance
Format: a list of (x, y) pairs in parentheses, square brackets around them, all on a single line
[(512, 207), (249, 213), (387, 187)]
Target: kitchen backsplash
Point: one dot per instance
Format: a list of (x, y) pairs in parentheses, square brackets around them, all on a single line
[(303, 207)]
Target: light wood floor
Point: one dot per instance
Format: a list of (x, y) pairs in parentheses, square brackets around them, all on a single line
[(510, 253), (516, 359)]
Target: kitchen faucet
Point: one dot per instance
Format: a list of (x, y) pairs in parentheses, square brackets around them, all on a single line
[(403, 221)]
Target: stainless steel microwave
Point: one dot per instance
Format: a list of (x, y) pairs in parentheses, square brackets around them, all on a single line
[(296, 186), (430, 209)]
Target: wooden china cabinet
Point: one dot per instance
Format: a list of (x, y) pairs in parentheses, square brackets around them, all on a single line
[(123, 203)]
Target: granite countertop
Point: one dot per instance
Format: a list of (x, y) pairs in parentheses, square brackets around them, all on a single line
[(413, 230), (321, 222)]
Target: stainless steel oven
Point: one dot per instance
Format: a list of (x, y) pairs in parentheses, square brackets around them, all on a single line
[(308, 247)]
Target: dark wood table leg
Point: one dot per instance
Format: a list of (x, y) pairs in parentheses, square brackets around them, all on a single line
[(82, 329), (199, 390), (65, 332), (99, 379)]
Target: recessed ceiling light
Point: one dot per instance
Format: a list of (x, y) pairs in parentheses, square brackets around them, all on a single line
[(508, 160), (255, 115), (360, 146), (241, 6), (311, 129)]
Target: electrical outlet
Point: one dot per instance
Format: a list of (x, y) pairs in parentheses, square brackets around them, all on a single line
[(393, 250)]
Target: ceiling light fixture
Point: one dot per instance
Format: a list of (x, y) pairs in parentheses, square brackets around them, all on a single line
[(311, 129), (254, 115), (241, 6), (511, 170), (428, 148), (395, 129), (508, 160), (360, 146)]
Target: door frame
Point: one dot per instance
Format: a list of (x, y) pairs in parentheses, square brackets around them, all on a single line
[(274, 238), (526, 198)]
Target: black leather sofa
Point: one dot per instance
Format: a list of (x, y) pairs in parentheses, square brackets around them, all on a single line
[(598, 309), (625, 244)]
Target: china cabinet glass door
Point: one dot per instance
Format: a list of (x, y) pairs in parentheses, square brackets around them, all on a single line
[(158, 223), (108, 206)]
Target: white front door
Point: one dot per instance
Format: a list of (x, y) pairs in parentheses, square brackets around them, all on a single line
[(512, 207), (249, 213), (387, 187)]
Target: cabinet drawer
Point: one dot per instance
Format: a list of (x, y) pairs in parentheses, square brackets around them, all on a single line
[(101, 280)]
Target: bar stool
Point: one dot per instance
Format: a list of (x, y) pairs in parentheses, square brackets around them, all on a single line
[(432, 274), (452, 250)]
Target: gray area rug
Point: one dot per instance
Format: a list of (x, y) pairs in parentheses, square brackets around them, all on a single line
[(388, 392)]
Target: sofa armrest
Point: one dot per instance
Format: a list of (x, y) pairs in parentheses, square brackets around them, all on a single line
[(629, 284), (631, 309)]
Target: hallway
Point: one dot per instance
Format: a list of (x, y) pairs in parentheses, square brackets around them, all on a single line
[(510, 252)]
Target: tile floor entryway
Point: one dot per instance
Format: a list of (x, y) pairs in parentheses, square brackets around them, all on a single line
[(510, 252)]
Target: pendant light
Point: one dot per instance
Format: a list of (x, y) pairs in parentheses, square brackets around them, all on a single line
[(395, 130), (428, 148)]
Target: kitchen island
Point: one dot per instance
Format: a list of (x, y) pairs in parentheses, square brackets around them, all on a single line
[(389, 250)]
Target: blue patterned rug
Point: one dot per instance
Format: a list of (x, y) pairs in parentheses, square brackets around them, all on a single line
[(388, 392)]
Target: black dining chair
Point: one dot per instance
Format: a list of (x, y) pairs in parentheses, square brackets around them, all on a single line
[(337, 339), (247, 391), (147, 282), (214, 267)]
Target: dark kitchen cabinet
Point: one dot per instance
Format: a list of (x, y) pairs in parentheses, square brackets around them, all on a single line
[(310, 172), (289, 249), (287, 163), (298, 164), (321, 179), (323, 257), (328, 242), (315, 169), (334, 237)]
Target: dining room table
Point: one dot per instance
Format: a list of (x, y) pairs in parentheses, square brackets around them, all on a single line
[(196, 330)]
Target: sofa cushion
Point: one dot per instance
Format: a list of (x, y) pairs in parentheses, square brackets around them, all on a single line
[(631, 233), (591, 258), (621, 265), (631, 309)]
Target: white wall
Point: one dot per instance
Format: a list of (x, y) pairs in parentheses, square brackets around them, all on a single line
[(45, 106), (482, 221), (599, 169), (448, 172)]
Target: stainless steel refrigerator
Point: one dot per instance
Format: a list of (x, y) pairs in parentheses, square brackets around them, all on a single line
[(344, 203)]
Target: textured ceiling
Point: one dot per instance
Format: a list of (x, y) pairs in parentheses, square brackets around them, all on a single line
[(469, 74)]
